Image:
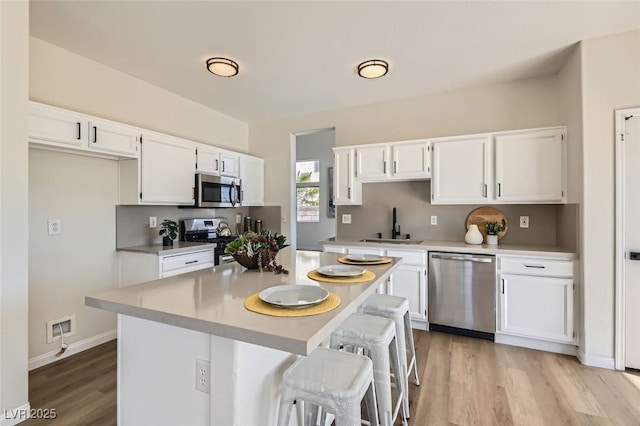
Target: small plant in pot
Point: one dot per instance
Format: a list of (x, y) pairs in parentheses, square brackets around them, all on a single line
[(169, 232), (493, 229), (258, 250)]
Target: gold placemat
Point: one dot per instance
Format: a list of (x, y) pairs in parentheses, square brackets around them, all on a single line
[(316, 276), (366, 262), (255, 304)]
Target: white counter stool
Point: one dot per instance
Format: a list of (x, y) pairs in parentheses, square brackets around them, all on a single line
[(397, 309), (377, 336), (336, 381)]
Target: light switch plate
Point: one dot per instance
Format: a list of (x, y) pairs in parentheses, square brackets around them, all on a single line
[(346, 219), (524, 221)]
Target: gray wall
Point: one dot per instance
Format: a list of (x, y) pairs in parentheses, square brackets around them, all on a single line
[(414, 212), (317, 146)]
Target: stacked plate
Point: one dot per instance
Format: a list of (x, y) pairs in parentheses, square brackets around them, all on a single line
[(341, 271), (294, 295), (364, 257)]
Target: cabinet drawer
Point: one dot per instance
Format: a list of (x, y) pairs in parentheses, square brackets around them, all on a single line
[(188, 260), (409, 257), (536, 266)]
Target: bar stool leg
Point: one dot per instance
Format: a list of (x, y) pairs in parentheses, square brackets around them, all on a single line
[(400, 384), (412, 350), (286, 401), (370, 402)]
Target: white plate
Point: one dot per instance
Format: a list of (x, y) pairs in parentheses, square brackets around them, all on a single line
[(341, 271), (293, 296), (364, 257)]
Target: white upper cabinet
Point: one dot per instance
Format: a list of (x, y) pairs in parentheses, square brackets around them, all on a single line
[(530, 166), (347, 191), (251, 181), (229, 164), (372, 162), (411, 160), (208, 159), (167, 170), (54, 126), (110, 137), (461, 171), (393, 161)]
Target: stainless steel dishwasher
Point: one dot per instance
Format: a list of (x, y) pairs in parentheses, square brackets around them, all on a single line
[(462, 294)]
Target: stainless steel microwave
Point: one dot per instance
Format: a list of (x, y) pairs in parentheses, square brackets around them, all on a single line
[(217, 191)]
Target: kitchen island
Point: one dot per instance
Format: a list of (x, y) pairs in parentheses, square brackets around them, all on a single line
[(166, 326)]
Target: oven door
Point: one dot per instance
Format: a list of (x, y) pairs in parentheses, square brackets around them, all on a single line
[(217, 191)]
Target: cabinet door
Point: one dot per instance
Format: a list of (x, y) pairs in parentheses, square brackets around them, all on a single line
[(208, 160), (530, 167), (54, 126), (346, 190), (229, 164), (461, 171), (110, 137), (537, 307), (410, 281), (252, 181), (411, 160), (167, 170), (372, 163)]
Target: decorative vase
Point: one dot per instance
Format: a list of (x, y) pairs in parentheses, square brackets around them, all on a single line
[(473, 235), (492, 240), (167, 242)]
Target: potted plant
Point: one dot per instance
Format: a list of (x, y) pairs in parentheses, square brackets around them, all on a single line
[(493, 229), (258, 250), (169, 232)]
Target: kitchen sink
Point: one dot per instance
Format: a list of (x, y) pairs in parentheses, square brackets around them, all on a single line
[(390, 240)]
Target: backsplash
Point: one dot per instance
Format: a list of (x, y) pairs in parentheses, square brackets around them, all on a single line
[(132, 222), (414, 212)]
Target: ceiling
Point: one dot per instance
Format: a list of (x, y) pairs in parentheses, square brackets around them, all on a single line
[(300, 58)]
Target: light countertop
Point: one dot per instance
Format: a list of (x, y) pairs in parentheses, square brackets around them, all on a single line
[(212, 301), (461, 247), (177, 248)]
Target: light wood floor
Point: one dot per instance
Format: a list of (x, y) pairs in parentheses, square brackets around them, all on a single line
[(464, 382)]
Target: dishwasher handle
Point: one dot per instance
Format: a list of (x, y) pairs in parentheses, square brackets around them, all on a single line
[(462, 258)]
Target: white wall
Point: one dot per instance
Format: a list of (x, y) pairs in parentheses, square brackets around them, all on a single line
[(610, 80), (82, 192), (516, 105), (65, 79), (14, 68), (317, 146)]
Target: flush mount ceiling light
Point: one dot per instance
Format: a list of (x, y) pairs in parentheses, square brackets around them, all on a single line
[(374, 68), (222, 67)]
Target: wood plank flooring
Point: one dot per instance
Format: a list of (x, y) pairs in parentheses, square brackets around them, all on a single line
[(464, 382)]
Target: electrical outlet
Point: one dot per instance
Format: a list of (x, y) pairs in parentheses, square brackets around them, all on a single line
[(346, 219), (284, 218), (153, 221), (524, 221), (238, 218), (434, 220), (55, 226), (203, 376)]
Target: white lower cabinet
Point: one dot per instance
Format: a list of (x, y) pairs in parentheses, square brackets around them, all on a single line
[(536, 299)]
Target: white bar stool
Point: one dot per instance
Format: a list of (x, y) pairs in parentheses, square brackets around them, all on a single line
[(377, 336), (334, 380), (397, 309)]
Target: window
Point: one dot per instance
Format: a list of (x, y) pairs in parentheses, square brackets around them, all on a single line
[(308, 190)]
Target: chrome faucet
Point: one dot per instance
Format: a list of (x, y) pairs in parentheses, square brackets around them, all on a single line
[(394, 232)]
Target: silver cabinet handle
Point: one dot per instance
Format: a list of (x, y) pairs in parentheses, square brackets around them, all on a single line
[(463, 259), (485, 190), (395, 167), (223, 165), (384, 167), (349, 193)]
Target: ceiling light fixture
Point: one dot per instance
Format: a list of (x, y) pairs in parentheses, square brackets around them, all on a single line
[(374, 68), (222, 67)]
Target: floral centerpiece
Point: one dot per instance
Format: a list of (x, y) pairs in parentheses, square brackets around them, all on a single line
[(258, 250)]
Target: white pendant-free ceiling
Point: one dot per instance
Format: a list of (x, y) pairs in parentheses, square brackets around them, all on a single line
[(298, 57)]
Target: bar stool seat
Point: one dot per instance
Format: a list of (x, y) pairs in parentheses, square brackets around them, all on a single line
[(334, 380), (377, 336), (396, 308)]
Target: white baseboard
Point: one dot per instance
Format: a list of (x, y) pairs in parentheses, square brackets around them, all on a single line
[(419, 325), (559, 348), (15, 416), (597, 360), (73, 348)]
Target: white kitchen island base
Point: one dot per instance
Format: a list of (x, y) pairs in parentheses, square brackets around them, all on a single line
[(157, 377)]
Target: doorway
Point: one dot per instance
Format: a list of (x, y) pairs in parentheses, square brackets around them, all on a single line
[(314, 208), (627, 353)]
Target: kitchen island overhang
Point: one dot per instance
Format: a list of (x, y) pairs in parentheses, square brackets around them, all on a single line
[(165, 325)]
